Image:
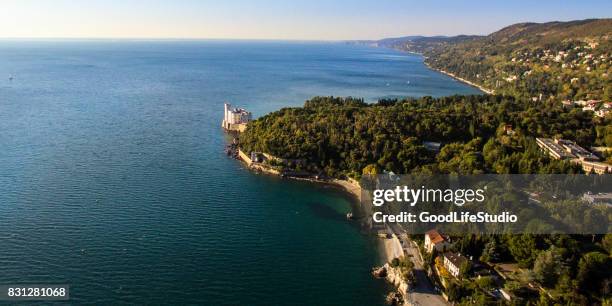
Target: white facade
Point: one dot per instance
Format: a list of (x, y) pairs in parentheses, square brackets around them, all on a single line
[(236, 115), (452, 269), (235, 119), (453, 263), (434, 240)]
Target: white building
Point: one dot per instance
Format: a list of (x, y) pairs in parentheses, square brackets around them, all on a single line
[(236, 115), (598, 198), (580, 102), (453, 263), (236, 119), (596, 167), (565, 149), (434, 240), (602, 112)]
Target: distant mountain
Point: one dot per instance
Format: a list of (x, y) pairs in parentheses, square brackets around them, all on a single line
[(415, 43), (422, 44), (540, 61), (551, 32), (386, 42)]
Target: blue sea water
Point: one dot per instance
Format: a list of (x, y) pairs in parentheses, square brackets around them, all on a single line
[(113, 177)]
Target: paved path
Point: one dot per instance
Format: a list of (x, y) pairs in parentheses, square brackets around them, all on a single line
[(423, 293)]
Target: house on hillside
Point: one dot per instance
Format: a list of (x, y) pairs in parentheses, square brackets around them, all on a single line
[(453, 263), (567, 103), (434, 240), (602, 112), (589, 108)]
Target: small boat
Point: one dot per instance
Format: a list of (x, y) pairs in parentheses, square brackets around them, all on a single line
[(349, 216)]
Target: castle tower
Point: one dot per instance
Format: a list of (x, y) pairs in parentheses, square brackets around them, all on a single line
[(226, 118)]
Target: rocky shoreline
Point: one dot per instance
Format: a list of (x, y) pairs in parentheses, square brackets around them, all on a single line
[(349, 186)]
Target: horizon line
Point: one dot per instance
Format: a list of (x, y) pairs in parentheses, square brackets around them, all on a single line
[(60, 38), (33, 38)]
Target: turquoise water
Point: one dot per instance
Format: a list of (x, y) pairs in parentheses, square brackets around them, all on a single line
[(113, 177)]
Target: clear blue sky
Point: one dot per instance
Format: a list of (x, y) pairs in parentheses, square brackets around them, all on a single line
[(278, 19)]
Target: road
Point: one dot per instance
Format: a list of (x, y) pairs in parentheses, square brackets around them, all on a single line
[(423, 293)]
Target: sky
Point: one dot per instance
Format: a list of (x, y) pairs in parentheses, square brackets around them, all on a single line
[(279, 19)]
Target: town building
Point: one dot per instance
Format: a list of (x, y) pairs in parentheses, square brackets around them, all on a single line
[(453, 263), (509, 130), (567, 103), (576, 150), (553, 148), (434, 240), (596, 167), (591, 105), (580, 102), (598, 198), (432, 146), (235, 119), (602, 112), (565, 149)]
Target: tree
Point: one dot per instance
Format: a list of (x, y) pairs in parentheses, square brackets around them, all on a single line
[(454, 292), (593, 269), (464, 269), (371, 169), (549, 266), (606, 242), (523, 249), (485, 282), (491, 252)]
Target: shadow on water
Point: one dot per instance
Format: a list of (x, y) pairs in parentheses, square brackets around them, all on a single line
[(325, 212)]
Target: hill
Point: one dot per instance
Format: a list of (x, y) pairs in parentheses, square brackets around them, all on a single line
[(540, 61)]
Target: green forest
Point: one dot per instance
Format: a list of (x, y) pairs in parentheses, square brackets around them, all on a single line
[(478, 134)]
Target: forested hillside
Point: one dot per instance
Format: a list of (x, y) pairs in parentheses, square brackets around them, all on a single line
[(480, 134), (551, 61)]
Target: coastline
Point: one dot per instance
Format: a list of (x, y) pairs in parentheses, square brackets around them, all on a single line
[(452, 75), (485, 90), (349, 186)]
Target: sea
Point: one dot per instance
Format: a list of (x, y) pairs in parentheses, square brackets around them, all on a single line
[(114, 179)]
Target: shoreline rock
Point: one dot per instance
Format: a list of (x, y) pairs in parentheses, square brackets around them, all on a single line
[(395, 298), (394, 277), (349, 186), (379, 272)]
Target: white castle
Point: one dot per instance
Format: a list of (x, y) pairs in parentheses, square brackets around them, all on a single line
[(236, 119)]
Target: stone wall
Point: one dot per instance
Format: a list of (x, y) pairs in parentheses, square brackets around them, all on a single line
[(245, 157)]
